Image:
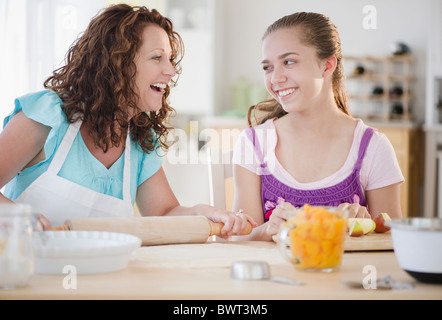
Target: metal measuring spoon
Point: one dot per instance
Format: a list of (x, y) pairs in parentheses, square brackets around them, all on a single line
[(257, 270)]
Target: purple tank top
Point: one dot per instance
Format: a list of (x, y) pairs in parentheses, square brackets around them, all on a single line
[(349, 190)]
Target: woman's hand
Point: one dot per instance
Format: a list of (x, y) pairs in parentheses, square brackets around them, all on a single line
[(355, 210), (234, 222)]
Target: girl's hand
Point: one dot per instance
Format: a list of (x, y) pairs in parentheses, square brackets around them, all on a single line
[(355, 210), (234, 222), (279, 215), (43, 222)]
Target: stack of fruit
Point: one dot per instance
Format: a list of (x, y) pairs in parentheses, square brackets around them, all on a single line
[(357, 227)]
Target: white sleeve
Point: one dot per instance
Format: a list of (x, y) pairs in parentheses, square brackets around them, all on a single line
[(380, 167), (244, 153)]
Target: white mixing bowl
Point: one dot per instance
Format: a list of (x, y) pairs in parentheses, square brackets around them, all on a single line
[(417, 245)]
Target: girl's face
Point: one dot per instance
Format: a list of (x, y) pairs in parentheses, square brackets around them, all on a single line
[(154, 68), (293, 73)]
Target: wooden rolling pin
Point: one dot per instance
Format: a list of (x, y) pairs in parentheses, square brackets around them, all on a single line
[(155, 230)]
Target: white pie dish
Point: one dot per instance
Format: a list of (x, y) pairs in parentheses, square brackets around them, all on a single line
[(83, 252)]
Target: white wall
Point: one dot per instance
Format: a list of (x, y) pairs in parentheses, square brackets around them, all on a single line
[(35, 36), (397, 20), (237, 39)]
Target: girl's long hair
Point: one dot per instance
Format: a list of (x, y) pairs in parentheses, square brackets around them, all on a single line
[(97, 83), (317, 32)]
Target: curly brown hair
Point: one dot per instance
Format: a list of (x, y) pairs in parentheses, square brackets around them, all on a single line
[(319, 33), (97, 83)]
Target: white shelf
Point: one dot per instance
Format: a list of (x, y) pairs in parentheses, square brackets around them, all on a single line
[(384, 73)]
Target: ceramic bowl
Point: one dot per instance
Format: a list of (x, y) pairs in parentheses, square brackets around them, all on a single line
[(417, 246)]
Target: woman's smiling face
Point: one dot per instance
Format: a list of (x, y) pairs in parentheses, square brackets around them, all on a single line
[(293, 73), (154, 68)]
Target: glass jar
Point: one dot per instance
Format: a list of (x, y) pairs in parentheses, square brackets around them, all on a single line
[(16, 253), (312, 238)]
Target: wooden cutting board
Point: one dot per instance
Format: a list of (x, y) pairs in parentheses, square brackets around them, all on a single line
[(370, 242)]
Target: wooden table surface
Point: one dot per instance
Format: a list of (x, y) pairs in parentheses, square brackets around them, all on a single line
[(144, 279)]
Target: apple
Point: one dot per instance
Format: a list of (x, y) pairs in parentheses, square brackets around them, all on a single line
[(356, 229), (367, 225), (380, 221)]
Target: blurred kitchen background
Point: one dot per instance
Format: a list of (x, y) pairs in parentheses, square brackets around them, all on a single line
[(393, 64)]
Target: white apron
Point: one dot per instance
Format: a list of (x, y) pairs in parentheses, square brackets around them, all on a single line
[(59, 199)]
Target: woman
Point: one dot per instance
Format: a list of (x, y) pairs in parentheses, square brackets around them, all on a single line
[(306, 147), (89, 145)]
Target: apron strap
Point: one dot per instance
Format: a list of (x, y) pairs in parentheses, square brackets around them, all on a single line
[(263, 166), (363, 147), (65, 146)]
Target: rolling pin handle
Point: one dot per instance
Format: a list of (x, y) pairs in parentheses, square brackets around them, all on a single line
[(61, 228), (215, 228)]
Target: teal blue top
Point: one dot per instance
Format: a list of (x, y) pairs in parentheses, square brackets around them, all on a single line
[(80, 165)]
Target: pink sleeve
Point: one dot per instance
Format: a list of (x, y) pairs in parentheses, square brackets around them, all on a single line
[(244, 152), (381, 165)]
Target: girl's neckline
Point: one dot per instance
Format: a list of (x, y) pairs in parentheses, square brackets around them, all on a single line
[(306, 185)]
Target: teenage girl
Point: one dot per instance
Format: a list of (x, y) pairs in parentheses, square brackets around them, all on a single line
[(303, 146)]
